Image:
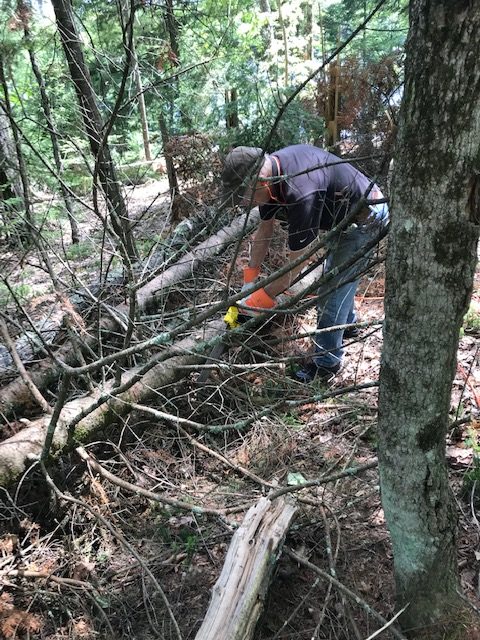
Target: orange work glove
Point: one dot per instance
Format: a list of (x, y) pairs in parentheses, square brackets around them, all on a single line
[(250, 274), (258, 301)]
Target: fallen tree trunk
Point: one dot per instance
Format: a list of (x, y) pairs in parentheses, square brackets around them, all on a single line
[(29, 344), (149, 296), (239, 593), (15, 397), (25, 446)]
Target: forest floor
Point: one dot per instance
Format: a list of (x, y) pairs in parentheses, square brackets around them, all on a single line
[(64, 574)]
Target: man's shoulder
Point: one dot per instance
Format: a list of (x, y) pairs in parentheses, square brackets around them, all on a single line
[(303, 151)]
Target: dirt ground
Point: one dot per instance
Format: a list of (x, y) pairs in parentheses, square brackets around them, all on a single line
[(65, 573)]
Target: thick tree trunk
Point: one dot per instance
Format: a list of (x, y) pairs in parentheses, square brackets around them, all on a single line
[(430, 268), (93, 124)]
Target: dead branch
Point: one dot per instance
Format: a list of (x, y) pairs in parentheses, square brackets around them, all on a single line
[(344, 590), (151, 495), (45, 575), (239, 593), (352, 471)]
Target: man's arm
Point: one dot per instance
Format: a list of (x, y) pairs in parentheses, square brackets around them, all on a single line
[(284, 282), (261, 243)]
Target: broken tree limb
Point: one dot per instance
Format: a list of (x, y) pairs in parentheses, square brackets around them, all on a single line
[(148, 296), (141, 491), (15, 397), (18, 450), (239, 593)]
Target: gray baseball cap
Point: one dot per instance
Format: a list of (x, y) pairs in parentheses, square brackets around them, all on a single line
[(239, 165)]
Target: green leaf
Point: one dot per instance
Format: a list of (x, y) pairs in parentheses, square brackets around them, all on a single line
[(294, 479)]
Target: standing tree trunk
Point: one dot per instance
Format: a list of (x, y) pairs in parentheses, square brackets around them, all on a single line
[(171, 26), (26, 11), (171, 172), (231, 108), (10, 186), (285, 42), (142, 110), (430, 268), (25, 229), (92, 121)]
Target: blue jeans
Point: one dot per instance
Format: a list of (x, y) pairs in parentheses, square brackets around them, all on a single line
[(337, 307)]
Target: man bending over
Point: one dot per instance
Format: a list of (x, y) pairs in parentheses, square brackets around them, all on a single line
[(315, 190)]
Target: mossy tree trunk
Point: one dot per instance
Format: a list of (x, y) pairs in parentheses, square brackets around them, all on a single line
[(430, 268)]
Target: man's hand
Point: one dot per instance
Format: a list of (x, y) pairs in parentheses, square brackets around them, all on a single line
[(256, 303)]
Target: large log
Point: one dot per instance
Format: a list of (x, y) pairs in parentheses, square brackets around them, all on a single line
[(17, 451), (15, 397), (239, 593)]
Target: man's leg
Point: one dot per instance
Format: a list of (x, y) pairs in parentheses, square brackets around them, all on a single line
[(336, 307)]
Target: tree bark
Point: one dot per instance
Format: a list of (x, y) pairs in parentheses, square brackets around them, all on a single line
[(15, 452), (93, 124), (429, 275), (238, 596)]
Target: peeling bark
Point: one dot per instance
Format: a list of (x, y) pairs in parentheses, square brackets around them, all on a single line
[(239, 594)]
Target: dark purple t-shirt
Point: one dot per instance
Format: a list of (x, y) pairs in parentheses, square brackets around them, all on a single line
[(316, 189)]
